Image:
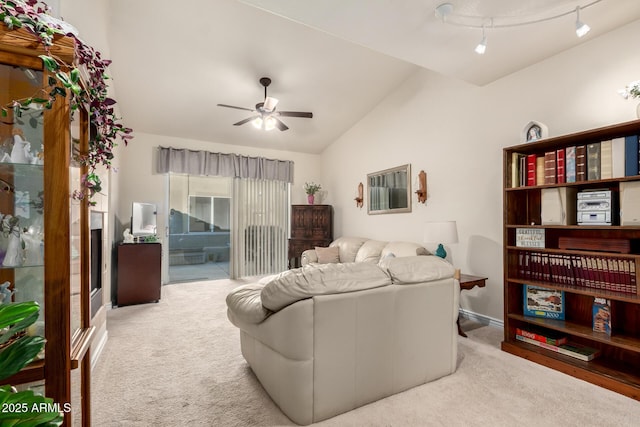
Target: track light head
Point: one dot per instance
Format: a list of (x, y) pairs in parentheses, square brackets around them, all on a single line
[(581, 28)]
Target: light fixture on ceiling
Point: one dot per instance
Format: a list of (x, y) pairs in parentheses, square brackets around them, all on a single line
[(446, 14), (482, 46), (581, 28), (265, 122)]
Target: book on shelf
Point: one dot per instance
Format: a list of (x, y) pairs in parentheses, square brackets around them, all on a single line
[(560, 166), (607, 273), (593, 161), (531, 169), (602, 315), (631, 155), (617, 157), (530, 237), (606, 154), (523, 171), (515, 170), (574, 350), (577, 351), (540, 170), (550, 171), (581, 163), (543, 302), (546, 336), (570, 164)]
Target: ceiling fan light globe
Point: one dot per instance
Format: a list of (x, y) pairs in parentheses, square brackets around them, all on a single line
[(269, 123), (257, 123)]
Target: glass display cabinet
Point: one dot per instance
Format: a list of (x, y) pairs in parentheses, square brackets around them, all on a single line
[(44, 238)]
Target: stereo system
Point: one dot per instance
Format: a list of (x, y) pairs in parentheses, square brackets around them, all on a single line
[(597, 207)]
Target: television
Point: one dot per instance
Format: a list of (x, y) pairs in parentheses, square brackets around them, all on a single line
[(143, 219)]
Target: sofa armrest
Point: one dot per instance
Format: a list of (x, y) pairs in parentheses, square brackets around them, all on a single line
[(308, 257)]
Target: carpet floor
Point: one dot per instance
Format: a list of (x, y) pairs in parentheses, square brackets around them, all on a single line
[(178, 363)]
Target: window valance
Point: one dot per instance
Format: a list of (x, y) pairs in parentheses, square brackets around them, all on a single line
[(192, 162)]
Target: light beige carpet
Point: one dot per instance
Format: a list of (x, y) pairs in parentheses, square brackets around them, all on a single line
[(178, 363)]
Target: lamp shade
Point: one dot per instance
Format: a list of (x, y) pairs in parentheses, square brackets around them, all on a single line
[(441, 232)]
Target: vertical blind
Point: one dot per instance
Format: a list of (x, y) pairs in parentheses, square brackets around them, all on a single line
[(260, 222)]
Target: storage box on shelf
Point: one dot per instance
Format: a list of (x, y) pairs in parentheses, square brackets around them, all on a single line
[(587, 254)]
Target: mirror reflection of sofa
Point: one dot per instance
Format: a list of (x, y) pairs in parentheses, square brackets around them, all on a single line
[(376, 319), (188, 246)]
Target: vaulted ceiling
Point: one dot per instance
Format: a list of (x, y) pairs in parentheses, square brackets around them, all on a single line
[(337, 59)]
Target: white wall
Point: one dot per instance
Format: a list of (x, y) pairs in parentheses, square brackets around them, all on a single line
[(455, 132), (139, 182)]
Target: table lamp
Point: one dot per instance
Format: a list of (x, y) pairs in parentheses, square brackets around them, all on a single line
[(441, 232)]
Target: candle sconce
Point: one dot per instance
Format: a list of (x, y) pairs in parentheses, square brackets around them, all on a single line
[(359, 198), (422, 187)]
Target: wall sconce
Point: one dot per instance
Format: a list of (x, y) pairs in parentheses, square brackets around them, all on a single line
[(422, 187), (359, 198)]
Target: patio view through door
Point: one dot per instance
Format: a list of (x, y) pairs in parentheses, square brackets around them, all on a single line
[(226, 227), (199, 227)]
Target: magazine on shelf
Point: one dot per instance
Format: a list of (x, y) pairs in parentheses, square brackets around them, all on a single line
[(543, 302)]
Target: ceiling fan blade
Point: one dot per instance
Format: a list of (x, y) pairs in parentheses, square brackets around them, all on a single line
[(241, 122), (294, 114), (237, 108), (279, 124)]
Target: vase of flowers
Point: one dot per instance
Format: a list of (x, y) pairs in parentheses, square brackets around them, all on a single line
[(311, 189), (632, 90)]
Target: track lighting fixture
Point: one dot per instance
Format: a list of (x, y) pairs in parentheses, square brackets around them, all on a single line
[(446, 14), (482, 46), (581, 28)]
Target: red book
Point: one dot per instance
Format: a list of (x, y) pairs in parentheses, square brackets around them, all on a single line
[(531, 170), (560, 166)]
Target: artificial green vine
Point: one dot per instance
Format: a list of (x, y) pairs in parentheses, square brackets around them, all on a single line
[(85, 81)]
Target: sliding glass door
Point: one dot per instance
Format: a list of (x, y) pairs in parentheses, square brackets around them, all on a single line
[(199, 227), (226, 227)]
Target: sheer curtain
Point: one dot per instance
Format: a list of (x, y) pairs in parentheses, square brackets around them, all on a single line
[(260, 204)]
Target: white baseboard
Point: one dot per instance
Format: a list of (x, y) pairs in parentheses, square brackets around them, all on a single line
[(481, 318), (97, 350)]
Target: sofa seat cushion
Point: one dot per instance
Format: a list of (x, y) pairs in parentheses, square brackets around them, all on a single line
[(321, 279), (416, 269), (245, 303)]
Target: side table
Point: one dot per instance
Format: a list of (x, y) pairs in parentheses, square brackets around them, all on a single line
[(467, 282)]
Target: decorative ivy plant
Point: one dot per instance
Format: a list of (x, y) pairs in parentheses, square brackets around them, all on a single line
[(85, 81)]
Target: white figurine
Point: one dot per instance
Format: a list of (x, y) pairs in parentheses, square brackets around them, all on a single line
[(128, 237), (20, 148)]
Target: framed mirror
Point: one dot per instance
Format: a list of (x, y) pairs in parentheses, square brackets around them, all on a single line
[(389, 190)]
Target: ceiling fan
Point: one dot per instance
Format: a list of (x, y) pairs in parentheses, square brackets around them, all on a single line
[(266, 116)]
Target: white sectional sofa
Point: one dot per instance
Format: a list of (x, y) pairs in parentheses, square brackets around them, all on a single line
[(324, 339)]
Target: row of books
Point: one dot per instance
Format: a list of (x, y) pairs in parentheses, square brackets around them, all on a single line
[(596, 272), (557, 344), (614, 158)]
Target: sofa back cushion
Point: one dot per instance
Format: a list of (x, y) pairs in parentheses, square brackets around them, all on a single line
[(349, 247), (403, 249), (370, 251), (321, 279), (416, 269)]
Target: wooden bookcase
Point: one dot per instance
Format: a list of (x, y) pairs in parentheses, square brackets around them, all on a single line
[(618, 365)]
